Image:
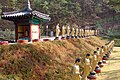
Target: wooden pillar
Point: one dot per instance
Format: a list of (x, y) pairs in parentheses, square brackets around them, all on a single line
[(30, 33), (16, 32)]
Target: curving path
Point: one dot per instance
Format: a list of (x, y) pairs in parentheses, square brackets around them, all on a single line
[(111, 71)]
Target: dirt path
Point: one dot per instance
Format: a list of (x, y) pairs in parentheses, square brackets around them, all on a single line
[(111, 71)]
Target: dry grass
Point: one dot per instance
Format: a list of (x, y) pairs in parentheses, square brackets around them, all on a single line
[(45, 60)]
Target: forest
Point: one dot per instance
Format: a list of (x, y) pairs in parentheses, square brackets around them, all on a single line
[(100, 13)]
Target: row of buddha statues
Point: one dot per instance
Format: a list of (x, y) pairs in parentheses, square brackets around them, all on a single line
[(74, 32), (84, 67)]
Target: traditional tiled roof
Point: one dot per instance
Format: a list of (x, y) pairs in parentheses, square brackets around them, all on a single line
[(16, 14), (25, 12), (40, 15)]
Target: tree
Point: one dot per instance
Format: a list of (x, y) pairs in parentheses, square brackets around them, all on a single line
[(68, 11)]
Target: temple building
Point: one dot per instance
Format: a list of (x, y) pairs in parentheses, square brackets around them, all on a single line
[(27, 22)]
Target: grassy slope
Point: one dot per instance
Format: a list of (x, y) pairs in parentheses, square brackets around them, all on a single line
[(45, 60)]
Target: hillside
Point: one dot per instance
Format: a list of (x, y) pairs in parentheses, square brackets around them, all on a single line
[(45, 60)]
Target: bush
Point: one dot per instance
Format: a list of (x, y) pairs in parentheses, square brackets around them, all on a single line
[(115, 36), (117, 42)]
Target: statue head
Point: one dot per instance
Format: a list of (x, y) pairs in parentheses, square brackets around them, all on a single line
[(97, 48), (87, 55), (78, 60), (72, 28), (95, 52), (102, 47), (57, 26), (63, 27)]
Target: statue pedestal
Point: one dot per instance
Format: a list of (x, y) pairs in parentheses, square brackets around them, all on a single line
[(92, 76), (36, 40), (57, 38), (76, 36), (105, 58), (63, 38), (72, 36), (46, 40), (68, 37), (100, 64), (97, 69)]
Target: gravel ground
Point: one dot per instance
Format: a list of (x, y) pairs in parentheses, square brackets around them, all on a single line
[(111, 71)]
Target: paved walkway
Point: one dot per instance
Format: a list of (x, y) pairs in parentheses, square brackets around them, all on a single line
[(111, 71)]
